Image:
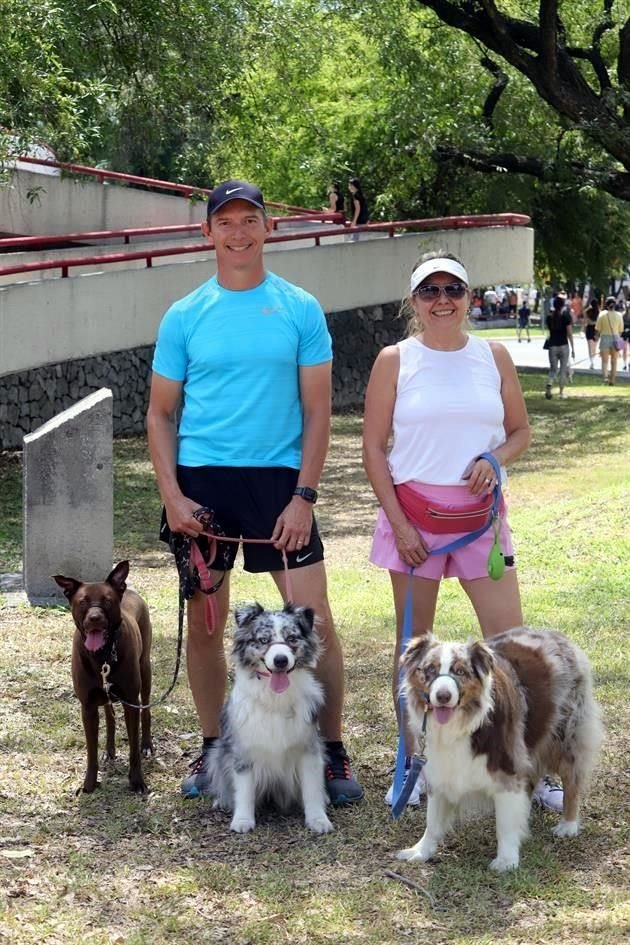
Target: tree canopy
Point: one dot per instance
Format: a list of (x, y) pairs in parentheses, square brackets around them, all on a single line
[(439, 106)]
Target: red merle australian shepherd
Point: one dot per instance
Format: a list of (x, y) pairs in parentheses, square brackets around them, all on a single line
[(500, 715)]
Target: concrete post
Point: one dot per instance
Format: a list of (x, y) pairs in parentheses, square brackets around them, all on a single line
[(68, 497)]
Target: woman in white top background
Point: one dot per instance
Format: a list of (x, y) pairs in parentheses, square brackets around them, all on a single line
[(447, 397)]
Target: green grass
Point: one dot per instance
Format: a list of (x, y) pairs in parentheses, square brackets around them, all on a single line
[(503, 333), (113, 869)]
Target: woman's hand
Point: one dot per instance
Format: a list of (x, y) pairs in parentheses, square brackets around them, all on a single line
[(481, 477), (410, 545)]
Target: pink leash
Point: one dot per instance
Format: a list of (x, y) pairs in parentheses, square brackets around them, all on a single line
[(205, 580)]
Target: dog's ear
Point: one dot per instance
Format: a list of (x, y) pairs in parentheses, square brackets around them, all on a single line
[(415, 650), (481, 658), (118, 577), (305, 616), (248, 612), (68, 585)]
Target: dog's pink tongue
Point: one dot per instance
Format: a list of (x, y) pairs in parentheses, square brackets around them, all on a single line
[(442, 714), (279, 682), (94, 640)]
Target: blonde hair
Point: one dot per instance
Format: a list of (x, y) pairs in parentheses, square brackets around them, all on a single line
[(407, 309)]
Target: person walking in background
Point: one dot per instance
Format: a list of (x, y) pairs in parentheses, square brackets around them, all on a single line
[(360, 213), (490, 299), (575, 305), (335, 199), (249, 356), (590, 330), (625, 336), (447, 397), (559, 340), (523, 319), (609, 327)]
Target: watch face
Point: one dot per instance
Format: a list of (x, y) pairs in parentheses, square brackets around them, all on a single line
[(306, 493)]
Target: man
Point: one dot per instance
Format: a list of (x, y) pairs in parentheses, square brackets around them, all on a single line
[(523, 319), (250, 355)]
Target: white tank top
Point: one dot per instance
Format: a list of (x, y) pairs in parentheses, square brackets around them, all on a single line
[(448, 410)]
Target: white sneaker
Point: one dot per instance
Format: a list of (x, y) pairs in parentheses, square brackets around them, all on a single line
[(415, 798), (549, 795)]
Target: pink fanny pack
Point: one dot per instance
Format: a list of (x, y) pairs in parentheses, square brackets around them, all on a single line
[(442, 518)]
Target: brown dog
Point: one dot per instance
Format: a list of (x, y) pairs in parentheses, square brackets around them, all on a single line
[(113, 630)]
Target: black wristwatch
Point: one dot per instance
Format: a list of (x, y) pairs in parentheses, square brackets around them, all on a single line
[(306, 493)]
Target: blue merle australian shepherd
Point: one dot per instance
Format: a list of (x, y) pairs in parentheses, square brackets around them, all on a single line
[(270, 748)]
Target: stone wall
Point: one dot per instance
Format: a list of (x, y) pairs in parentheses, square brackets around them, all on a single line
[(30, 398)]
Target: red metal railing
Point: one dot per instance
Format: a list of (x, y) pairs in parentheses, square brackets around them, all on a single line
[(436, 223), (185, 190), (41, 242)]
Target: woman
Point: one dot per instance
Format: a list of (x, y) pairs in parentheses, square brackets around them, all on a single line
[(359, 206), (609, 325), (591, 315), (560, 328), (335, 200), (625, 335), (447, 397)]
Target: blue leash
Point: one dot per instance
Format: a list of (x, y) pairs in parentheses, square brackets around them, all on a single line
[(403, 786)]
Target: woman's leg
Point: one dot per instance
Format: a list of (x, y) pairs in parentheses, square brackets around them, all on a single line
[(603, 353), (592, 350), (613, 366), (563, 358), (424, 595), (498, 608), (496, 603)]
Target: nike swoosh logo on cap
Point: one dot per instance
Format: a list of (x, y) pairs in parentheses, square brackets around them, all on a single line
[(300, 558), (233, 191)]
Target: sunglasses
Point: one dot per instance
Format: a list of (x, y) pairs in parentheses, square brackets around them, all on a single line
[(429, 292)]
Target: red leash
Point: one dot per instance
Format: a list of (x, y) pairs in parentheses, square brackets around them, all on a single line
[(205, 579)]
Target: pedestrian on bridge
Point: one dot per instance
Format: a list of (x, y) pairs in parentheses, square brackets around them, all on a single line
[(247, 356)]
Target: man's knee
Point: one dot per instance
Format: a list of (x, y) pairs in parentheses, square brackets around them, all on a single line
[(207, 617)]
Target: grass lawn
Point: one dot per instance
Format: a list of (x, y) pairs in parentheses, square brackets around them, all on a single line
[(114, 869)]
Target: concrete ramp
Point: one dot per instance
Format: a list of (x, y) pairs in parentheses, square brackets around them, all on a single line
[(68, 498), (31, 203), (48, 322)]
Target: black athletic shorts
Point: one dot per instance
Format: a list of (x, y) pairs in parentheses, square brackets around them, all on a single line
[(246, 501)]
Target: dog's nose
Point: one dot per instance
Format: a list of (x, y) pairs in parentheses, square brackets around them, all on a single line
[(443, 696), (280, 661)]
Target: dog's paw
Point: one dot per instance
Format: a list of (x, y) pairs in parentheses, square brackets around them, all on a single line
[(417, 854), (138, 785), (318, 823), (242, 824), (147, 751), (88, 787), (501, 864), (566, 828)]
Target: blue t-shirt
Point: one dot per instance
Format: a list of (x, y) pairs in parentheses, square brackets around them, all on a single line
[(237, 355)]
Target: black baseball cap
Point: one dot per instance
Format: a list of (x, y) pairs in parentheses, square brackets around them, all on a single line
[(235, 190)]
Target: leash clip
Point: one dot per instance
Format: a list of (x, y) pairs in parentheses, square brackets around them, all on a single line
[(105, 671)]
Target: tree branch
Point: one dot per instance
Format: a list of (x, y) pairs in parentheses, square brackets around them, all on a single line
[(548, 18), (616, 183), (495, 93), (537, 50)]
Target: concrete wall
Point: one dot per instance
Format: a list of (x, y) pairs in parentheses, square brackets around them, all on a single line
[(30, 398), (50, 322), (35, 204)]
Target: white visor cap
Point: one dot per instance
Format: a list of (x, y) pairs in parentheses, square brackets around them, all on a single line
[(440, 264)]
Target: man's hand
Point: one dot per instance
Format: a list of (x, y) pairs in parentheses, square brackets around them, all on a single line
[(180, 518), (293, 526)]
